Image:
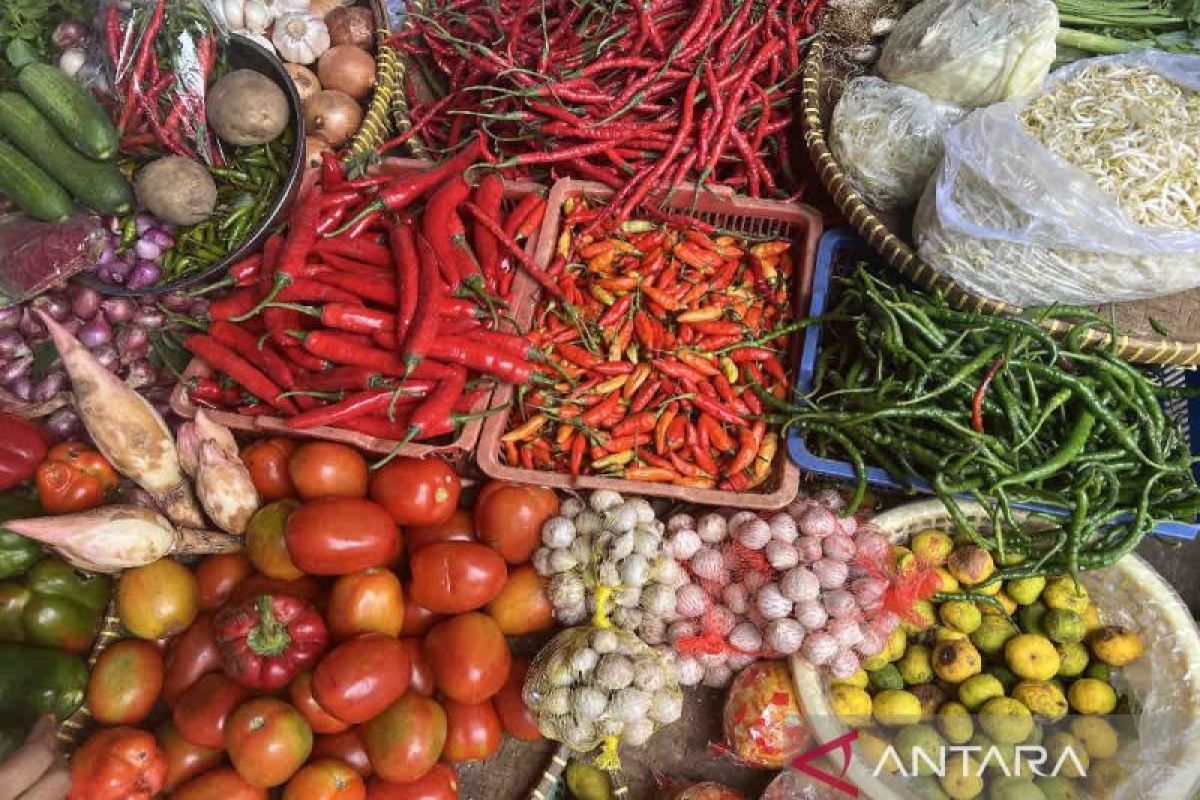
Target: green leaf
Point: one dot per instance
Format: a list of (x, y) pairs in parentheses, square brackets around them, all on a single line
[(45, 354)]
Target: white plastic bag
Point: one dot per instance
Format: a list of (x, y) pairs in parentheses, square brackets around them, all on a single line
[(888, 139), (972, 52), (1007, 218)]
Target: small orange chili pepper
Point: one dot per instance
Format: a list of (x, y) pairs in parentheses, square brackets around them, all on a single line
[(578, 449), (597, 248), (638, 423), (603, 295), (640, 373), (769, 249), (698, 363), (510, 453), (562, 437), (665, 419), (611, 385), (620, 284), (613, 460), (716, 434), (703, 260), (707, 314), (527, 431), (651, 474), (761, 469)]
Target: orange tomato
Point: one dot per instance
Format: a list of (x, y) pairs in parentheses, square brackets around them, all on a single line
[(74, 477), (268, 741), (469, 657), (184, 759), (369, 601), (440, 783), (422, 673), (158, 600), (459, 527), (217, 575), (361, 676), (326, 779), (523, 606), (125, 682), (320, 720), (328, 469), (340, 535), (266, 544), (267, 461), (219, 784), (473, 732), (346, 746), (405, 741), (518, 720), (509, 517)]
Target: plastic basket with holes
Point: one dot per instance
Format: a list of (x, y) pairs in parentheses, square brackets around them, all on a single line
[(453, 447), (841, 248), (757, 218)]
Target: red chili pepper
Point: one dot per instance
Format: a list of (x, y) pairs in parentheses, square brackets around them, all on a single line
[(235, 305), (224, 360), (488, 196), (375, 290), (718, 412), (342, 379), (745, 355), (363, 250), (361, 404), (425, 323), (477, 355), (577, 355), (435, 416), (243, 342), (616, 311), (516, 251), (977, 399), (638, 423), (341, 348), (716, 434)]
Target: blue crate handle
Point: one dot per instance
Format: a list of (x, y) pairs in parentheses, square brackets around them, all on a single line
[(835, 243)]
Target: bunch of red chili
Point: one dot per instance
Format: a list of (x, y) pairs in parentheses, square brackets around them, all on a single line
[(635, 94), (161, 101), (371, 316), (674, 340)]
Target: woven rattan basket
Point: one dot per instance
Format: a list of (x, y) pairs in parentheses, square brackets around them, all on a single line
[(72, 729), (1136, 322), (1130, 593)]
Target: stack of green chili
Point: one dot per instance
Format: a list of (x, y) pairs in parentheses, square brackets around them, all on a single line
[(994, 409)]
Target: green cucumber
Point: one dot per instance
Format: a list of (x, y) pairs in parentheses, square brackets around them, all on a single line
[(28, 185), (96, 184), (71, 110)]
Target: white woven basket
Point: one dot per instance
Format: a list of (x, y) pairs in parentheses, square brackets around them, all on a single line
[(1167, 678)]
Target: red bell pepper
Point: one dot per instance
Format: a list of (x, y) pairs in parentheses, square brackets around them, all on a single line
[(269, 639), (22, 448), (118, 764)]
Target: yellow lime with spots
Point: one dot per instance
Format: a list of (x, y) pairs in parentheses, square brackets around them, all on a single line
[(1104, 778), (943, 634), (1030, 617), (873, 750), (1044, 699), (1090, 696), (1066, 593), (915, 665), (886, 677), (1116, 646), (960, 615), (1098, 736), (1091, 618), (971, 565), (1005, 720), (920, 749), (1073, 658), (1014, 787), (1032, 657), (949, 583), (956, 660), (931, 696), (1004, 675), (896, 645), (1055, 787), (974, 692), (1025, 590), (963, 779), (955, 723), (852, 705), (925, 618), (1066, 755), (895, 708), (1063, 626), (992, 634), (933, 547)]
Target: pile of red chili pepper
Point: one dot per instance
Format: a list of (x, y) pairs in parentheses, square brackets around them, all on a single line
[(636, 94), (669, 339), (371, 316)]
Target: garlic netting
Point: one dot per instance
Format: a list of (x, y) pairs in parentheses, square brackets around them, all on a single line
[(593, 686)]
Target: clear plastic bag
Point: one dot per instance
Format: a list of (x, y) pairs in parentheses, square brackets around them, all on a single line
[(36, 255), (888, 139), (1008, 219), (972, 52)]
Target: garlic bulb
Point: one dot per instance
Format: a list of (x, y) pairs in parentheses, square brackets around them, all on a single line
[(618, 547), (588, 523), (558, 532), (746, 637), (683, 544), (643, 509), (571, 507), (830, 574), (739, 519), (771, 603), (604, 500), (557, 702), (811, 614), (653, 630), (844, 664), (708, 564), (566, 589), (799, 584), (839, 547), (784, 636), (562, 561), (712, 528), (781, 555), (681, 522), (691, 601), (783, 528), (621, 518), (690, 672), (683, 629), (648, 675), (590, 702), (637, 732), (846, 632), (584, 661), (646, 542), (614, 672), (635, 571), (666, 707), (300, 37), (819, 648), (808, 548), (541, 562), (605, 641), (72, 60), (658, 600), (754, 534), (717, 676), (253, 16), (736, 598)]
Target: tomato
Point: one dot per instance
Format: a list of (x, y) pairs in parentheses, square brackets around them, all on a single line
[(361, 676), (113, 763), (306, 588), (340, 535), (266, 544), (201, 712), (453, 577), (440, 783), (267, 461), (417, 491), (326, 779), (405, 741), (268, 741), (190, 655), (125, 682), (74, 477), (346, 746), (422, 674), (184, 759), (417, 618), (469, 657), (523, 605), (518, 720), (509, 517), (473, 732), (458, 528), (216, 577), (370, 601), (220, 784), (328, 469), (320, 720), (158, 600)]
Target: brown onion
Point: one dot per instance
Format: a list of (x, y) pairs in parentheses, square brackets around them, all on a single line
[(314, 146), (305, 81), (332, 115), (348, 69), (351, 25)]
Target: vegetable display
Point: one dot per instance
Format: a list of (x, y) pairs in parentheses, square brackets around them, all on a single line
[(1095, 26), (51, 605)]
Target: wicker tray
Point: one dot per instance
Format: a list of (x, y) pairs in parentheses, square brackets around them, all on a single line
[(72, 729), (1137, 342), (797, 222)]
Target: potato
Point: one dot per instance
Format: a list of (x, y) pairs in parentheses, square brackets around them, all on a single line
[(247, 108), (176, 190)]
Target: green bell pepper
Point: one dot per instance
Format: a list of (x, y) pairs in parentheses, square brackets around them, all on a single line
[(17, 553), (52, 605), (36, 681)]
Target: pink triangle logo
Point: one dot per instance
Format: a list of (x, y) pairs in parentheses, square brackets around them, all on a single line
[(803, 763)]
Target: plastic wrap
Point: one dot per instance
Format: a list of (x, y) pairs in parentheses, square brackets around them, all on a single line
[(1006, 218), (764, 727), (972, 52), (36, 255), (888, 139)]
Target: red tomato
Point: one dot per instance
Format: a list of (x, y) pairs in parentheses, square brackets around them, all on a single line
[(320, 720), (346, 746), (202, 711), (453, 577), (267, 460), (328, 469), (326, 779), (405, 741), (268, 741), (422, 674), (190, 655), (218, 575), (440, 783), (473, 732), (339, 535), (370, 601), (417, 491), (184, 759), (74, 477), (458, 528), (115, 762), (469, 657), (306, 588), (220, 784), (509, 517), (518, 720), (125, 682), (266, 542), (361, 677), (523, 606), (417, 618)]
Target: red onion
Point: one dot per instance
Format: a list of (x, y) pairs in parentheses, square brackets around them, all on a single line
[(23, 388), (132, 343), (11, 345), (49, 386), (70, 33), (118, 309), (108, 357), (95, 333), (176, 301), (159, 238), (73, 324), (141, 374), (85, 302), (198, 309), (63, 424), (10, 317), (15, 369), (29, 326), (143, 275), (119, 270), (107, 256), (55, 306), (147, 250), (149, 317), (144, 222)]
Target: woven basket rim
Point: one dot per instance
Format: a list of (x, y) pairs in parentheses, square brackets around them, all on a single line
[(901, 257)]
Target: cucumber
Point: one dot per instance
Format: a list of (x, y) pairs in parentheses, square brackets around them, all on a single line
[(28, 185), (71, 110), (96, 184)]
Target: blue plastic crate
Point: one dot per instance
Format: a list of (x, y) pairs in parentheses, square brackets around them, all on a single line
[(841, 242)]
